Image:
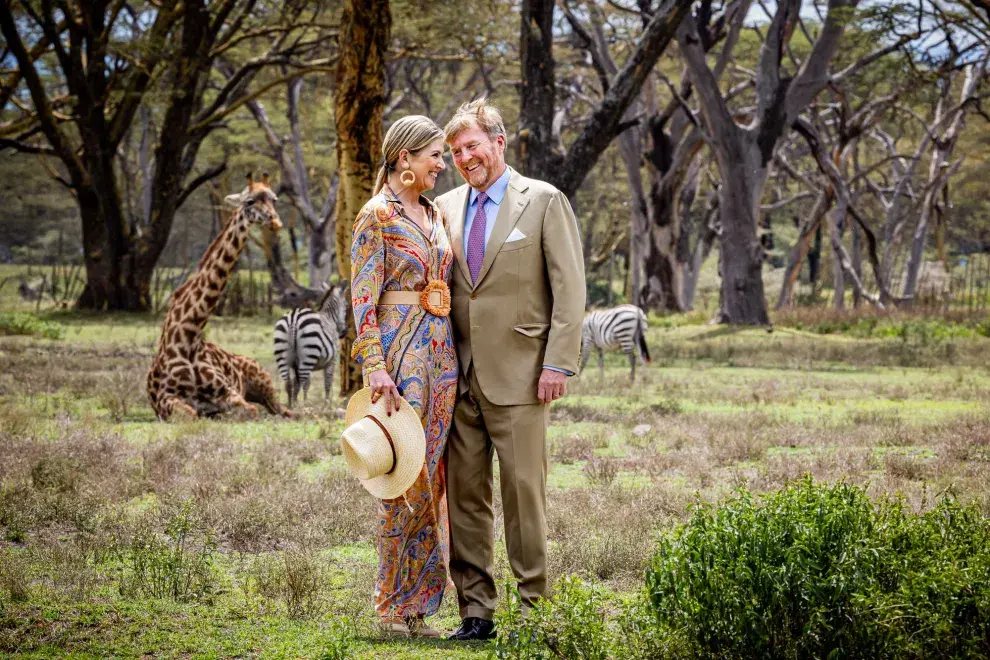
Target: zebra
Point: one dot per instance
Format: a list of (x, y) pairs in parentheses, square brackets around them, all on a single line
[(607, 329), (308, 340)]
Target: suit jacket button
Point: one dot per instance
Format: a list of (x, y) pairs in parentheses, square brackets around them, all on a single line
[(474, 296)]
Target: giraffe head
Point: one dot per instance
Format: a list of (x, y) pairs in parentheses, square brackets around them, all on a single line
[(256, 203)]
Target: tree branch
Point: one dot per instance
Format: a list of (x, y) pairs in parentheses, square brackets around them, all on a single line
[(198, 181)]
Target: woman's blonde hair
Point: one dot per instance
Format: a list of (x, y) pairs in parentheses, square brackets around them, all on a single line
[(478, 112), (415, 133)]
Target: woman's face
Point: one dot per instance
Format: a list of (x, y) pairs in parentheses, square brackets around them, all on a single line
[(425, 165)]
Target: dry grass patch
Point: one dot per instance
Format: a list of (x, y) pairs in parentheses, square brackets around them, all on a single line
[(608, 531)]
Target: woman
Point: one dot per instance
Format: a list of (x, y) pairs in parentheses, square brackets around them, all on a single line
[(400, 245)]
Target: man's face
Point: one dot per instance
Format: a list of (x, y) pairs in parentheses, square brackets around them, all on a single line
[(478, 158)]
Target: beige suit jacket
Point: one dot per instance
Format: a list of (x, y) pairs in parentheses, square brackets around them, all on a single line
[(526, 309)]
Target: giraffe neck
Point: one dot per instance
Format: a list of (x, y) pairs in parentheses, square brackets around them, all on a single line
[(202, 291)]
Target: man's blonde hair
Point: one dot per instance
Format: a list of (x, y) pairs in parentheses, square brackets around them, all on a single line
[(475, 113)]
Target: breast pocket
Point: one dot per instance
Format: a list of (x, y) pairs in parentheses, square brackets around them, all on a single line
[(510, 246)]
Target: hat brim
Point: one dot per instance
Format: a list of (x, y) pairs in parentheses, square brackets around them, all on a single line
[(408, 437)]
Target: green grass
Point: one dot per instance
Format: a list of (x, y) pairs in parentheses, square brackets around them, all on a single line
[(724, 407)]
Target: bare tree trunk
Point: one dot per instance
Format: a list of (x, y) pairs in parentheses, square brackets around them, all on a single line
[(708, 231), (741, 255), (809, 231), (838, 275), (743, 153), (857, 261), (535, 141), (321, 257), (359, 99), (938, 174), (630, 149)]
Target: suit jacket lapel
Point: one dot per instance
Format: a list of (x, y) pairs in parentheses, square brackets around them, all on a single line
[(458, 210), (509, 211)]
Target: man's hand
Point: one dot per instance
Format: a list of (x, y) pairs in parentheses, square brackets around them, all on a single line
[(553, 385)]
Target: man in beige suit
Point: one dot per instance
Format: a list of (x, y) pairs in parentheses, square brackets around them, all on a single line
[(517, 305)]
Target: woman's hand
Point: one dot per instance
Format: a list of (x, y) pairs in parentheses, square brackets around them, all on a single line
[(381, 383)]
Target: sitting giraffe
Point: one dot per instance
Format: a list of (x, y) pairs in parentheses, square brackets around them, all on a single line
[(190, 374)]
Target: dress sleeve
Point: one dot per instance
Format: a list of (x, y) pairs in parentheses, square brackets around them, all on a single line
[(439, 215), (367, 279)]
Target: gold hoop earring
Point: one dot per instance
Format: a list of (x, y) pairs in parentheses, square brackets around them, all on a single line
[(412, 178)]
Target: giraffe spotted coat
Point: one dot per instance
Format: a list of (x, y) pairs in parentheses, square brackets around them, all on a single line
[(190, 374)]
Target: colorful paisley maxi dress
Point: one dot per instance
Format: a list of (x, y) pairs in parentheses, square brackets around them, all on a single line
[(391, 253)]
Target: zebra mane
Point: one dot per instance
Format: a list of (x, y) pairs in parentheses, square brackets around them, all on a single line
[(323, 299), (333, 303)]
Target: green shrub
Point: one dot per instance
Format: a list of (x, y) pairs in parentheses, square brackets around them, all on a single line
[(571, 625), (21, 323), (584, 621), (817, 570), (169, 565), (336, 643)]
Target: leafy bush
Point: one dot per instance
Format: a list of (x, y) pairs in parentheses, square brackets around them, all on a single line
[(336, 643), (817, 570), (21, 323), (582, 621), (168, 566), (572, 625)]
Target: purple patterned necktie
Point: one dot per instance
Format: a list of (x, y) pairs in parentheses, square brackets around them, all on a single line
[(476, 239)]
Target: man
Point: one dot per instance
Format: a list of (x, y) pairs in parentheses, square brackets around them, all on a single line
[(517, 305)]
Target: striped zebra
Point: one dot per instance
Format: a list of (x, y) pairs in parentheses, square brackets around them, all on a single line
[(308, 340), (608, 329)]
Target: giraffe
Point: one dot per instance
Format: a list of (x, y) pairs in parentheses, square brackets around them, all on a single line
[(190, 374)]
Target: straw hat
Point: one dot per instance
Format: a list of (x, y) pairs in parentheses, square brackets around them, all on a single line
[(386, 453)]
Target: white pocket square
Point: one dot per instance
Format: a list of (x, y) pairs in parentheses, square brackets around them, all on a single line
[(516, 235)]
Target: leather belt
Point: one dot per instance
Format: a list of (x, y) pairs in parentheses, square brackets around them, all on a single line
[(434, 298), (409, 298)]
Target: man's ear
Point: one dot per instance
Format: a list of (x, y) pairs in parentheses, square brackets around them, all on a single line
[(233, 201)]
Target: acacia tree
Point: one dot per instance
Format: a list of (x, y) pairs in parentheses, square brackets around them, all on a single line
[(675, 139), (744, 153), (318, 217), (103, 61), (537, 137), (359, 101)]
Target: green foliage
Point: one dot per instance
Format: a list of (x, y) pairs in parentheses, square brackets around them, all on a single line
[(585, 621), (20, 323), (820, 570), (571, 625), (168, 565), (337, 643)]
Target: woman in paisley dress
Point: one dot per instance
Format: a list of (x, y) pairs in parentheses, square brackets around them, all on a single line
[(400, 244)]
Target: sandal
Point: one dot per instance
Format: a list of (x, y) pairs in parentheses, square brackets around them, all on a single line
[(420, 628), (395, 627)]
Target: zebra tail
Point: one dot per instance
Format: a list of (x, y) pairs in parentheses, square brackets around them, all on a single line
[(642, 339)]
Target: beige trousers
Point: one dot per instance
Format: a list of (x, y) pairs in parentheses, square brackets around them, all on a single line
[(518, 435)]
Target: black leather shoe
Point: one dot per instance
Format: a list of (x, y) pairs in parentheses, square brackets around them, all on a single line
[(473, 628)]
